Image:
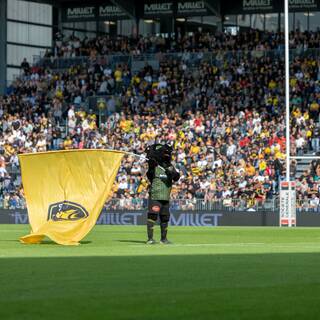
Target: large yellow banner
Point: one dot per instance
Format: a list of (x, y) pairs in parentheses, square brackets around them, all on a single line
[(65, 192)]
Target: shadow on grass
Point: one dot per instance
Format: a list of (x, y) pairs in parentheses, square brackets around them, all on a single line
[(132, 241), (50, 242), (211, 286), (46, 242)]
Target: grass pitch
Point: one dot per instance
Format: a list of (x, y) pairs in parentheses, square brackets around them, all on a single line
[(208, 273)]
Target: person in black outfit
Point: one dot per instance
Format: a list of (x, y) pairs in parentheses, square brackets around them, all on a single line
[(161, 174)]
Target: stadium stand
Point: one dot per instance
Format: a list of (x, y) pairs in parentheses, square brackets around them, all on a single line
[(225, 118), (72, 46)]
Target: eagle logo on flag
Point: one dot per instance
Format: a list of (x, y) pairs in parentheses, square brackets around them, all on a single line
[(66, 211)]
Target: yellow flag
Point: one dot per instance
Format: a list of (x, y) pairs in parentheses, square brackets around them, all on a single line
[(65, 192)]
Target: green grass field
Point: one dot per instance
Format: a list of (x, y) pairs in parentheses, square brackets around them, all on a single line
[(208, 273)]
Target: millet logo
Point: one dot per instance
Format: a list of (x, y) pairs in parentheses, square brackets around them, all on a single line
[(302, 4), (66, 211), (257, 4), (191, 6), (110, 11), (81, 12), (158, 7)]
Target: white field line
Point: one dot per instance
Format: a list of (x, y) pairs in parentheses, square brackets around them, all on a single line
[(248, 244), (217, 244), (208, 245)]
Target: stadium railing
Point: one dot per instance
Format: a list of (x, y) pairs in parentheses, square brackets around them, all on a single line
[(62, 63), (196, 205), (307, 206), (191, 59), (124, 204), (199, 205)]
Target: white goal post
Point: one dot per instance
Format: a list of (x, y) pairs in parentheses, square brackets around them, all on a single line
[(287, 187)]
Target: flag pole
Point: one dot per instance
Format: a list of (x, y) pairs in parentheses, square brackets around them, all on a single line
[(141, 157)]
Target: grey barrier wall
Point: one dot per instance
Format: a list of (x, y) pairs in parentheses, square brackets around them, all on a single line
[(183, 218)]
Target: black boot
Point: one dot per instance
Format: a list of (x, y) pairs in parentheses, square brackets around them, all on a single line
[(164, 231), (150, 228)]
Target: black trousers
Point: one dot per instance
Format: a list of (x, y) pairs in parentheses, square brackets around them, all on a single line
[(158, 207)]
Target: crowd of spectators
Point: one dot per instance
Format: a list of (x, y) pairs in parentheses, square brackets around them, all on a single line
[(225, 121), (308, 188), (73, 46)]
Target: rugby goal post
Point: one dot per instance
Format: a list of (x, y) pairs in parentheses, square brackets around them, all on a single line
[(287, 211), (287, 208), (287, 195)]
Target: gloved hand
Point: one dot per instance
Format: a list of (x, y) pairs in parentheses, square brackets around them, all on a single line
[(172, 173)]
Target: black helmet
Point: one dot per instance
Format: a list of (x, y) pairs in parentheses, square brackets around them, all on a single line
[(160, 153)]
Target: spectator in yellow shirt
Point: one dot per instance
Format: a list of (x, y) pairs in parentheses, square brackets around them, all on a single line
[(67, 144), (118, 78), (250, 170), (195, 149)]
